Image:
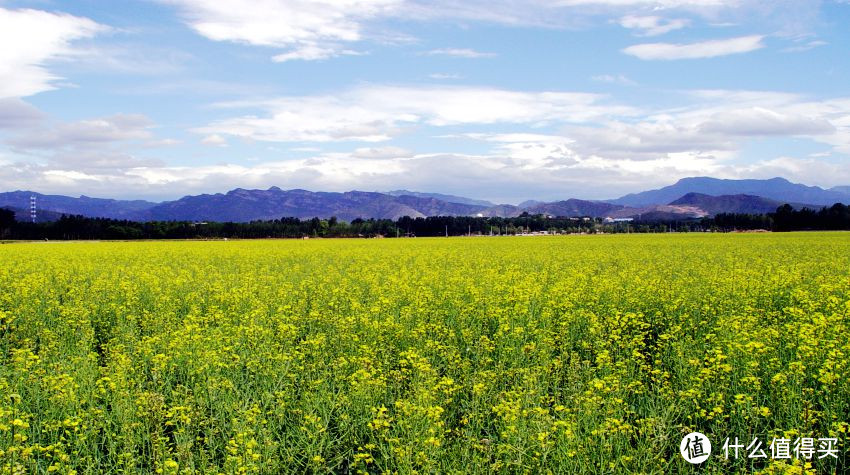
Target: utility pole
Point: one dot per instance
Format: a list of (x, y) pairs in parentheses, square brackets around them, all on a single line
[(447, 230)]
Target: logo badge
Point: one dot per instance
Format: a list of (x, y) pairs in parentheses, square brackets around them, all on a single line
[(695, 448)]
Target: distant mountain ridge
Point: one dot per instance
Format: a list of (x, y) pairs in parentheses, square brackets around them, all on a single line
[(439, 196), (43, 216), (242, 205), (778, 189), (688, 198), (575, 207), (746, 204), (84, 205)]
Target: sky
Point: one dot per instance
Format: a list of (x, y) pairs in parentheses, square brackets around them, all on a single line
[(505, 100)]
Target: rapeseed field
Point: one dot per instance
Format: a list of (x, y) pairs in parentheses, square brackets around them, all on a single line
[(570, 354)]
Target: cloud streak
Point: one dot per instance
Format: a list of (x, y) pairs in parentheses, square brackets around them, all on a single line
[(18, 114), (31, 39), (459, 53), (704, 49), (115, 128), (653, 25), (323, 29), (378, 113), (306, 29)]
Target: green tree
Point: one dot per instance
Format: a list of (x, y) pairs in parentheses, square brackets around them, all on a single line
[(7, 221)]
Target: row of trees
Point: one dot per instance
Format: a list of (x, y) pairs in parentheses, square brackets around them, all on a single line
[(80, 227), (786, 218)]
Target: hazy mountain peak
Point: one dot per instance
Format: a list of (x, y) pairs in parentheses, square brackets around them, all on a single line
[(741, 203), (441, 197), (777, 188)]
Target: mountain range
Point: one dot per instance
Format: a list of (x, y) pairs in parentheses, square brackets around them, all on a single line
[(442, 197), (84, 205), (687, 198), (778, 189)]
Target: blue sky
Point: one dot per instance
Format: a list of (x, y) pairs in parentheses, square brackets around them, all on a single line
[(501, 100)]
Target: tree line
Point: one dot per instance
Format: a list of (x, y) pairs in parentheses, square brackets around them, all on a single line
[(786, 218)]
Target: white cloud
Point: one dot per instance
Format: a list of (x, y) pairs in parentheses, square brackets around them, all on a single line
[(381, 152), (824, 173), (445, 76), (648, 139), (718, 123), (314, 53), (93, 144), (549, 169), (594, 140), (309, 29), (377, 113), (68, 177), (537, 155), (100, 160), (574, 13), (529, 151), (771, 113), (139, 59), (161, 143), (459, 53), (804, 46), (760, 121), (120, 127), (31, 39), (744, 97), (320, 29), (514, 137), (508, 174), (653, 25), (705, 49), (587, 140), (280, 23), (215, 140), (614, 79), (16, 114), (654, 151), (657, 4)]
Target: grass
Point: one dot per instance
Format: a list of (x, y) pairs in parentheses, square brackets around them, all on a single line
[(580, 354)]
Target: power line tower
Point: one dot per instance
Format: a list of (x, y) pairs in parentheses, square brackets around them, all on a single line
[(32, 208)]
